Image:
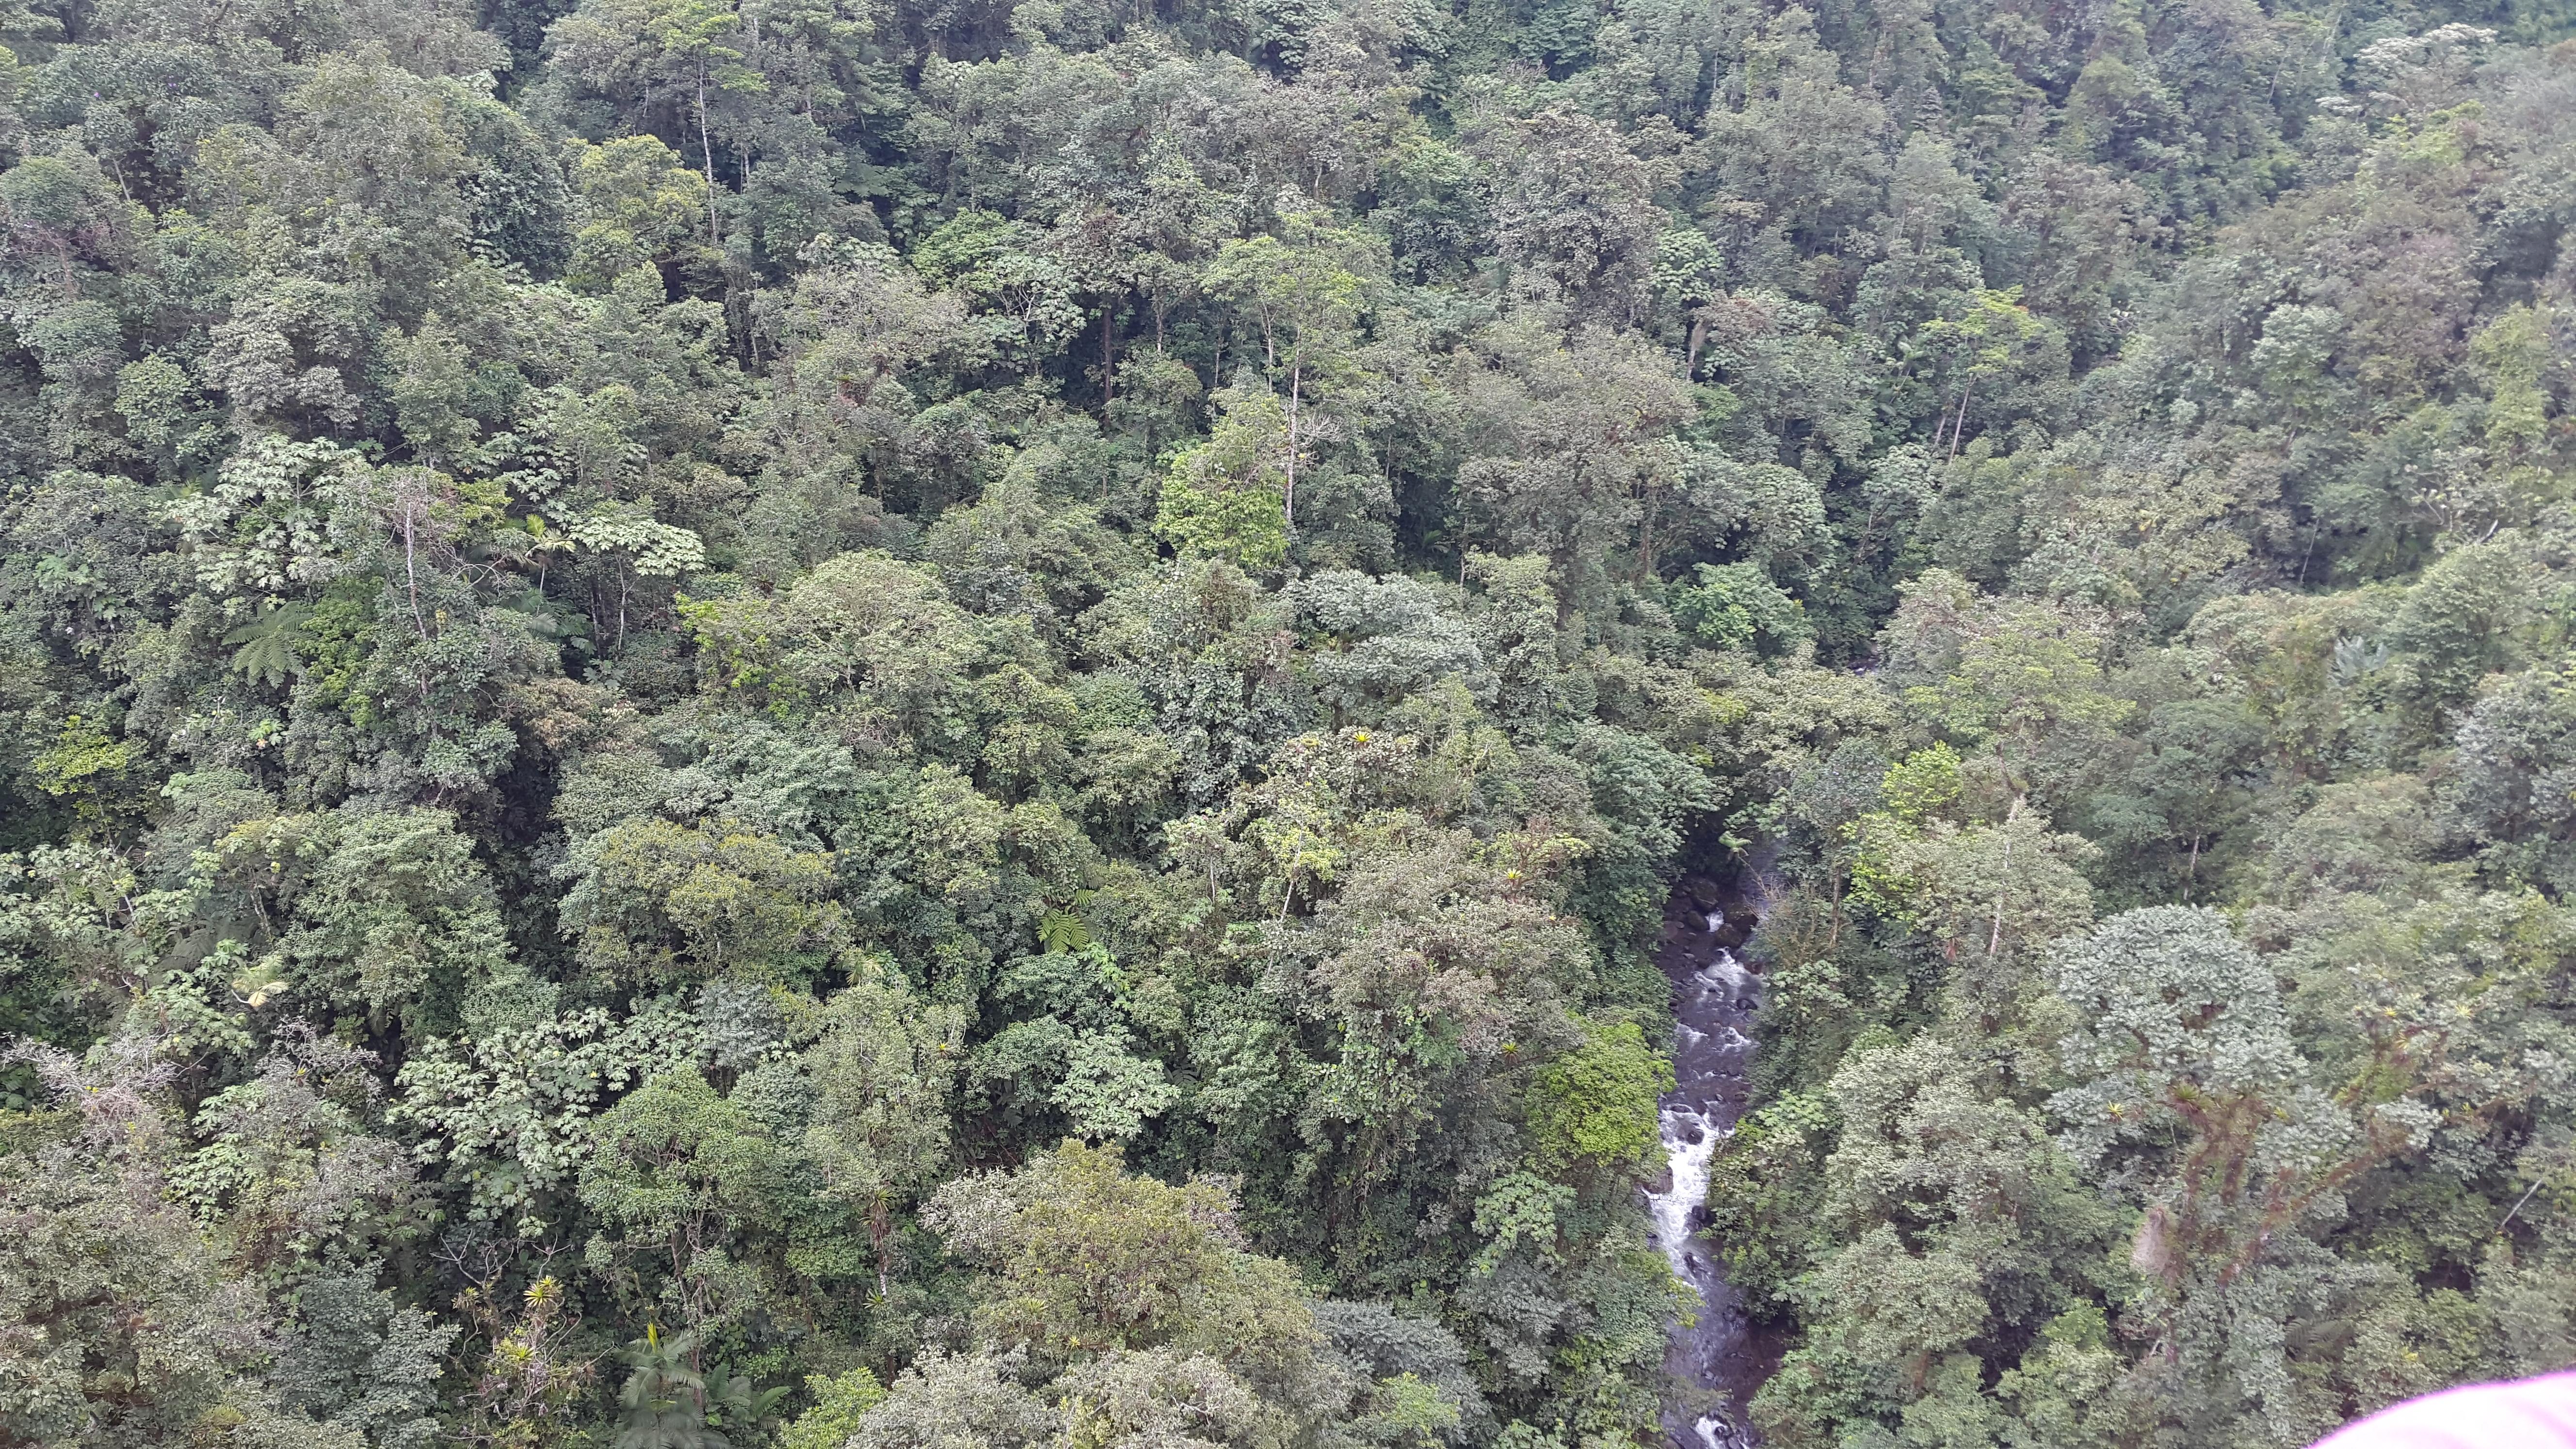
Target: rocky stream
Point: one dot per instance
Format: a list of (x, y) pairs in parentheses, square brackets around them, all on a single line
[(1715, 998)]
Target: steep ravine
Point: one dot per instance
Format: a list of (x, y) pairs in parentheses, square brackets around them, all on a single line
[(1714, 1001)]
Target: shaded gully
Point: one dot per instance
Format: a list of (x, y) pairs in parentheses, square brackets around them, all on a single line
[(1714, 1001)]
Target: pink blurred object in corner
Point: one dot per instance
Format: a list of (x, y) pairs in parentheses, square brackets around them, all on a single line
[(2523, 1414)]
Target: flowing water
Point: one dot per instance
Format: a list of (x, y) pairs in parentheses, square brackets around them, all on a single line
[(1714, 999)]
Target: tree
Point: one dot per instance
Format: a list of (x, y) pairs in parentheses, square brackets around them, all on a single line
[(139, 1332), (841, 1405), (883, 1073), (664, 1403), (1597, 1103), (949, 1401), (1574, 207), (2186, 1045), (632, 46), (1086, 1262), (1568, 444), (656, 901), (1217, 501), (1306, 288), (384, 914), (682, 1181), (2503, 789), (1736, 606)]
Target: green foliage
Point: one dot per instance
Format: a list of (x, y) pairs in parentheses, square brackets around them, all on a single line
[(1736, 606), (267, 651), (1142, 1299), (382, 913), (1087, 1258), (882, 1074), (142, 1334), (1001, 701), (84, 767), (358, 1360), (841, 1402), (664, 1403), (659, 902), (678, 1178), (1596, 1104), (1218, 500)]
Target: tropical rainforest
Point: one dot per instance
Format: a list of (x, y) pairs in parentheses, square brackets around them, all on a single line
[(997, 764)]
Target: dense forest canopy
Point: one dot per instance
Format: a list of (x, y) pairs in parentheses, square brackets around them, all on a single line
[(904, 723)]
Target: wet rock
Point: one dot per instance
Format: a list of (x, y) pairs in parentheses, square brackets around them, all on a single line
[(1737, 925)]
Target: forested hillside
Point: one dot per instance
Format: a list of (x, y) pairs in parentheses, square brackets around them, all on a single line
[(905, 723)]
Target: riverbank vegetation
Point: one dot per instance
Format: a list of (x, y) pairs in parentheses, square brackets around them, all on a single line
[(993, 763)]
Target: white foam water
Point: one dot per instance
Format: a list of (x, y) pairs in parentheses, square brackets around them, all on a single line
[(1690, 1140)]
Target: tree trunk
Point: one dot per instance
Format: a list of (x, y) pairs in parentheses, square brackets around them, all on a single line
[(707, 153), (1296, 384), (1995, 936), (1108, 353), (880, 1234)]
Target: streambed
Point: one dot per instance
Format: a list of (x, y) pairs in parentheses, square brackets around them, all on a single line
[(1715, 997)]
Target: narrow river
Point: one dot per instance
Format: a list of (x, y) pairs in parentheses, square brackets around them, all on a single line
[(1714, 1000)]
